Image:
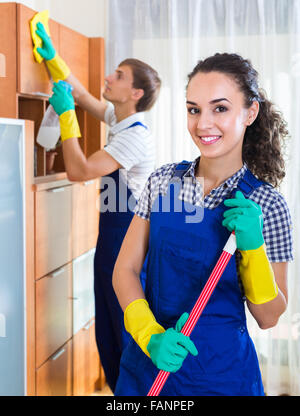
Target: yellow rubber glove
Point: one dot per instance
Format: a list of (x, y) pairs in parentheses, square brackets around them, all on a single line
[(69, 126), (141, 323), (257, 276), (59, 70)]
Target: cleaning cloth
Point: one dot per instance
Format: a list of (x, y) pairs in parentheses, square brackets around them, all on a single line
[(42, 17)]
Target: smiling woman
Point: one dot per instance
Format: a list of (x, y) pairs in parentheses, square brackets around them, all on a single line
[(226, 86), (224, 107)]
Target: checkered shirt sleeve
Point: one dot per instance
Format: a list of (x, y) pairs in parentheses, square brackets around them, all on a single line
[(277, 227)]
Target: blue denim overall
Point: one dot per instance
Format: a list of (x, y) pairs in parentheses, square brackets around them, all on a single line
[(181, 256), (111, 336)]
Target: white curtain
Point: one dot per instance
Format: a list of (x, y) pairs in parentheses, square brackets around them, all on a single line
[(172, 35)]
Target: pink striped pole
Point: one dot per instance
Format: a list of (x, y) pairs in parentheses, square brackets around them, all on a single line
[(211, 283)]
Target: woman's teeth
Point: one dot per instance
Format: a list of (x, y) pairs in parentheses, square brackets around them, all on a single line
[(210, 138)]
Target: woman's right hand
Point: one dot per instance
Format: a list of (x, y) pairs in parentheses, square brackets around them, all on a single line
[(169, 349)]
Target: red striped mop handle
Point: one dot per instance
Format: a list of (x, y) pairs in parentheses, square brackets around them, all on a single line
[(211, 283)]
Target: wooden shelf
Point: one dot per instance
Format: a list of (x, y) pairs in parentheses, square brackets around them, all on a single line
[(36, 96), (50, 181)]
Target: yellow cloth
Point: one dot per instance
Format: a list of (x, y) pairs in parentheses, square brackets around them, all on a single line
[(257, 276), (42, 17), (69, 126), (59, 70), (141, 323)]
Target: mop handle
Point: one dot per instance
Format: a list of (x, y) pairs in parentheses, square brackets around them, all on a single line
[(205, 294)]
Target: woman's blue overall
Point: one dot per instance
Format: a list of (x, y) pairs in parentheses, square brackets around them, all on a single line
[(182, 255), (111, 336)]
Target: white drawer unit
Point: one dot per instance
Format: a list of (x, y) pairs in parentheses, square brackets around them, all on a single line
[(83, 290)]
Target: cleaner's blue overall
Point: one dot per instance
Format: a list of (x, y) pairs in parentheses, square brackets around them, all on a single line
[(111, 336), (182, 255)]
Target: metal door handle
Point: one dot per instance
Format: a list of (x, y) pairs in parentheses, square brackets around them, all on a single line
[(57, 273), (58, 354), (56, 190)]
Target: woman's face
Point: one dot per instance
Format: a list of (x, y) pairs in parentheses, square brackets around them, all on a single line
[(217, 118)]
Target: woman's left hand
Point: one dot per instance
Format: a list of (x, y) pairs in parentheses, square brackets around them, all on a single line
[(246, 219)]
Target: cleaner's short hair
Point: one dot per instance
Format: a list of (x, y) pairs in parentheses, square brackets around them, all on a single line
[(145, 78)]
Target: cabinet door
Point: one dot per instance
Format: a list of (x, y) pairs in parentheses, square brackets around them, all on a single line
[(54, 378), (86, 363), (53, 312), (85, 217), (74, 49), (95, 132), (53, 229), (8, 56), (32, 76), (83, 290)]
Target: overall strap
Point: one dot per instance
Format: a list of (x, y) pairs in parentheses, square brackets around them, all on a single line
[(248, 183), (181, 169), (137, 123)]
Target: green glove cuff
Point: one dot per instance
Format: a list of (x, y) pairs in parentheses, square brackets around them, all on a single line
[(257, 276), (59, 70), (69, 126)]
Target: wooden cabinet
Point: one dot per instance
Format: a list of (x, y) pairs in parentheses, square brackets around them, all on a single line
[(26, 86), (64, 295), (8, 39), (32, 77), (62, 217), (55, 376), (53, 225), (53, 312), (86, 364), (74, 48), (85, 228)]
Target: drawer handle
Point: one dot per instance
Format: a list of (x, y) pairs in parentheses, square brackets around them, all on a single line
[(58, 354), (89, 325), (84, 256), (55, 274), (55, 190)]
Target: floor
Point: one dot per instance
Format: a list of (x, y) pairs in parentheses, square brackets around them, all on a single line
[(106, 391)]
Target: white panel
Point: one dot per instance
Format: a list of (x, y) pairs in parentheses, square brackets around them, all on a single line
[(12, 259)]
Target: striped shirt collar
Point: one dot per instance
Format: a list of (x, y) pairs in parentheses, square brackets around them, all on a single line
[(127, 122)]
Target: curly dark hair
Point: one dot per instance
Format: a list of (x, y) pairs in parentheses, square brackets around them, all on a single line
[(265, 139)]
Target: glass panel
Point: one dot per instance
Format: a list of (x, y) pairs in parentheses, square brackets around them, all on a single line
[(12, 273)]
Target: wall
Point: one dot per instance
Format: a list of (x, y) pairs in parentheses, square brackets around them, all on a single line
[(86, 16)]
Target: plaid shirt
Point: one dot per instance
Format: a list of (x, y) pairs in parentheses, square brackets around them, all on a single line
[(277, 226)]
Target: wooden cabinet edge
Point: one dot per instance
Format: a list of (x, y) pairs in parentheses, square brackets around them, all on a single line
[(30, 259)]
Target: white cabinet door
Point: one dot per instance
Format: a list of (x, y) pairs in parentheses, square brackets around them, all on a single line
[(83, 290)]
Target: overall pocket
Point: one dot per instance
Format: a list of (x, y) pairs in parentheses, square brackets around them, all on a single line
[(182, 273)]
